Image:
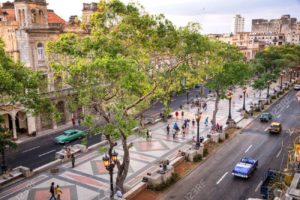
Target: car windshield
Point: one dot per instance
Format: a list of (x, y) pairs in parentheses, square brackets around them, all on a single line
[(275, 126)]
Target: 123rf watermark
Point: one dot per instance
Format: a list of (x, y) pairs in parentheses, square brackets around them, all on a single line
[(193, 193)]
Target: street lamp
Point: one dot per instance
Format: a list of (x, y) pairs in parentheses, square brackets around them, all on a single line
[(198, 118), (268, 90), (244, 103), (187, 96), (229, 96), (109, 163), (281, 75)]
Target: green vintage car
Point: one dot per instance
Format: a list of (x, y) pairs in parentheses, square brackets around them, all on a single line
[(69, 135)]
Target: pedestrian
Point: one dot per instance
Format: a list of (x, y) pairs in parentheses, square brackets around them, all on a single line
[(168, 129), (206, 121), (217, 127), (175, 127), (174, 135), (150, 135), (79, 122), (176, 114), (73, 160), (193, 122), (52, 192), (73, 121), (147, 135), (183, 132), (182, 114), (68, 151), (58, 192), (205, 106)]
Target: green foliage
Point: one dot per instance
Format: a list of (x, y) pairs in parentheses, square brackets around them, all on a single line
[(19, 84), (197, 158), (205, 152), (173, 179)]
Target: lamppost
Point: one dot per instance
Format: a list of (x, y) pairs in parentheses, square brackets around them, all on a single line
[(187, 97), (281, 75), (268, 89), (198, 118), (229, 96), (109, 163), (244, 103)]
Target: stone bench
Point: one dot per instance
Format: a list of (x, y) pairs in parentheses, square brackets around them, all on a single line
[(134, 191), (16, 173)]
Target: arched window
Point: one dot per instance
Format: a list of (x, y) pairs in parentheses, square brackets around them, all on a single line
[(33, 16), (40, 51)]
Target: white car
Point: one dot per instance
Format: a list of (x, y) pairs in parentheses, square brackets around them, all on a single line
[(297, 87)]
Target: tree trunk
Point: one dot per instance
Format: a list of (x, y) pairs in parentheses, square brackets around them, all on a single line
[(123, 168), (3, 167), (216, 109)]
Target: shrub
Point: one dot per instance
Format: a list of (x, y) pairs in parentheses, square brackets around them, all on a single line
[(173, 179), (197, 158), (226, 135), (220, 140), (205, 152), (273, 97)]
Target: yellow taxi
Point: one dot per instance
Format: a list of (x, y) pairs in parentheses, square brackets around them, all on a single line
[(275, 127)]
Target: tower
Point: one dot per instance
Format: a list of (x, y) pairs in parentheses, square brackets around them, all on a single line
[(87, 11), (31, 13), (238, 24)]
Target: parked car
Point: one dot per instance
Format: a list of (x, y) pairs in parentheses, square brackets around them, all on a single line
[(69, 135), (245, 167), (265, 117), (297, 87), (275, 127)]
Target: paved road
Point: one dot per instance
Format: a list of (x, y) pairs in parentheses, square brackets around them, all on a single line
[(42, 150), (213, 180)]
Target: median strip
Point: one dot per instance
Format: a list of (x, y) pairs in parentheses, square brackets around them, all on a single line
[(46, 153), (219, 181)]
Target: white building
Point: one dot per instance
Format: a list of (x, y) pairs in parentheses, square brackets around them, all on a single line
[(238, 24)]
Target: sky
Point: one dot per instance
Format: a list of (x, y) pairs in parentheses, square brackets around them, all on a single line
[(215, 16)]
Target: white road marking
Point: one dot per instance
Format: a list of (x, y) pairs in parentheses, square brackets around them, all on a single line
[(31, 149), (288, 106), (46, 153), (258, 186), (266, 129), (279, 116), (219, 181), (278, 154), (248, 148)]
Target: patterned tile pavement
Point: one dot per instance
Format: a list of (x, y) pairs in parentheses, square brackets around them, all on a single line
[(89, 180)]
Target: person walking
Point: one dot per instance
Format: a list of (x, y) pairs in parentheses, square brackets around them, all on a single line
[(206, 121), (73, 160), (52, 192), (175, 127), (182, 114), (79, 122), (174, 134), (193, 123), (73, 121), (176, 114), (150, 135), (168, 129), (58, 192)]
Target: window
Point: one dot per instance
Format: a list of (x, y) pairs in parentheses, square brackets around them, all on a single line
[(40, 51)]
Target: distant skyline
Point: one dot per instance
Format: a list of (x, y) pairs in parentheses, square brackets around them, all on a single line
[(215, 16)]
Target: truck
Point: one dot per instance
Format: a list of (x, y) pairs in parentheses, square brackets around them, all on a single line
[(271, 178), (245, 167)]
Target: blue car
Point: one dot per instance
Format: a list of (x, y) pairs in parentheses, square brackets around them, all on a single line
[(245, 167)]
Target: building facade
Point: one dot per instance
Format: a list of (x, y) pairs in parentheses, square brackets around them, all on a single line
[(25, 27), (238, 24)]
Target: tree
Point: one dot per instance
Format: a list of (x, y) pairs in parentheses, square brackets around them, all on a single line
[(129, 58), (5, 142), (225, 69)]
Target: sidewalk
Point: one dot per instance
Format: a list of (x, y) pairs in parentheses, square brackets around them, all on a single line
[(89, 180)]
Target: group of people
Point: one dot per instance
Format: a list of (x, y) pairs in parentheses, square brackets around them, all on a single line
[(199, 104), (74, 121), (55, 192)]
